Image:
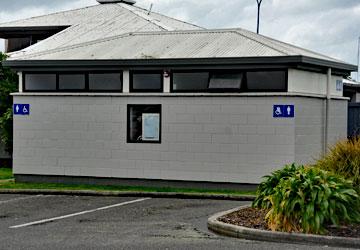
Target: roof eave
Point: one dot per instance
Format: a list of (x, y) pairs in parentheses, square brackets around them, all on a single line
[(11, 32), (287, 60), (329, 64)]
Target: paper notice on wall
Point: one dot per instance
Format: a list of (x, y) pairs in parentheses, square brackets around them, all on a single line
[(151, 127)]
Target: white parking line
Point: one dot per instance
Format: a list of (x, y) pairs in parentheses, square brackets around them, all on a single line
[(79, 213), (19, 199)]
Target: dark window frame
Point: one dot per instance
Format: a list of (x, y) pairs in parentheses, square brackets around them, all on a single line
[(71, 73), (172, 90), (128, 140), (131, 81), (40, 73), (286, 71), (242, 89), (86, 73)]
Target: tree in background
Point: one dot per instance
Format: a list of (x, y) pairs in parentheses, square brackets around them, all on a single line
[(8, 84)]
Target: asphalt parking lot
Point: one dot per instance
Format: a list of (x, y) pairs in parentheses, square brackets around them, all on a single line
[(84, 222)]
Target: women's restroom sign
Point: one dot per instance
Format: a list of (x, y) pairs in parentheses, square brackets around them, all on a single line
[(21, 109), (284, 111)]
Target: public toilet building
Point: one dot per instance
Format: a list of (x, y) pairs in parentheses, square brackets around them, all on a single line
[(149, 98)]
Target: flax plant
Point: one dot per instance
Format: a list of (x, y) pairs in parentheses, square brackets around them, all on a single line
[(344, 159)]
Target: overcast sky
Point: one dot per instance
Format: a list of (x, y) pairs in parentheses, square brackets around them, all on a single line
[(331, 27)]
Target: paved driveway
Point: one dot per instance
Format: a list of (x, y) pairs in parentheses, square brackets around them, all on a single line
[(83, 222)]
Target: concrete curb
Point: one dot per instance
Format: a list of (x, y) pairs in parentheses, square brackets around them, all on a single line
[(127, 194), (262, 235)]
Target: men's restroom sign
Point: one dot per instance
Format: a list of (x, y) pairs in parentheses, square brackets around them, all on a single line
[(21, 109), (284, 111)]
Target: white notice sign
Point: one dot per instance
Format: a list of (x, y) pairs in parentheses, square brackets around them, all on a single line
[(150, 127)]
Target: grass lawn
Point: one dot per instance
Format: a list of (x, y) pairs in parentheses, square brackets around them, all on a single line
[(7, 183), (6, 173)]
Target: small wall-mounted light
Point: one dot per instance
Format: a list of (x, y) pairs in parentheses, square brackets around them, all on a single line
[(166, 73)]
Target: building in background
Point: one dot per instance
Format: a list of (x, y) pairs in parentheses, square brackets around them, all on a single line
[(125, 95), (352, 90)]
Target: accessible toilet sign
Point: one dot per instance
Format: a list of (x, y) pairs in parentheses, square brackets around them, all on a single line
[(284, 111), (21, 109)]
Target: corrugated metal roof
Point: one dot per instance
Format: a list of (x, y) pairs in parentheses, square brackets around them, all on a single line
[(176, 44), (124, 32), (96, 22)]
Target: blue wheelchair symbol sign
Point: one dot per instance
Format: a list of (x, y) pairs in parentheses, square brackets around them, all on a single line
[(284, 111), (21, 109)]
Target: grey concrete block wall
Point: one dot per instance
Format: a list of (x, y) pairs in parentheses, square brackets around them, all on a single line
[(219, 139)]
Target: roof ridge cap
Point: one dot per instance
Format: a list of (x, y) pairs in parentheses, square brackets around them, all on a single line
[(150, 20), (290, 48), (74, 46), (238, 31), (169, 17), (106, 39), (101, 40)]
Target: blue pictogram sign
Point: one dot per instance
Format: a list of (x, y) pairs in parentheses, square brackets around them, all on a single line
[(284, 111), (21, 109)]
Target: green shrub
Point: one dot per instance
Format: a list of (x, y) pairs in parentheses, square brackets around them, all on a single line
[(266, 188), (344, 160), (311, 199), (8, 84)]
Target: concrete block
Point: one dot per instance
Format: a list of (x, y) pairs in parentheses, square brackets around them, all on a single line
[(184, 156), (211, 148), (184, 137), (185, 128), (185, 118), (202, 157), (168, 156), (229, 148), (202, 138), (220, 118), (256, 139), (255, 119), (238, 119), (203, 118), (280, 139), (72, 171), (246, 130), (195, 147), (151, 155), (265, 130)]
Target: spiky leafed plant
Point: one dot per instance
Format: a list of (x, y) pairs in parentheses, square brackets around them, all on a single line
[(311, 199), (8, 84), (266, 188), (343, 159)]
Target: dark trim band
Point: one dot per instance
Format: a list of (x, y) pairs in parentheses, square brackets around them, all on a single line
[(189, 62)]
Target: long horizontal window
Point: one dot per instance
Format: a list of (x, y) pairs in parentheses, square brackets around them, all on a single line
[(40, 82), (229, 81), (71, 81), (266, 80), (146, 81), (105, 81), (74, 82), (226, 81), (189, 81)]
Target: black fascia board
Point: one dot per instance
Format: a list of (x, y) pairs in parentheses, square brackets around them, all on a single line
[(188, 62), (329, 64), (17, 32)]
